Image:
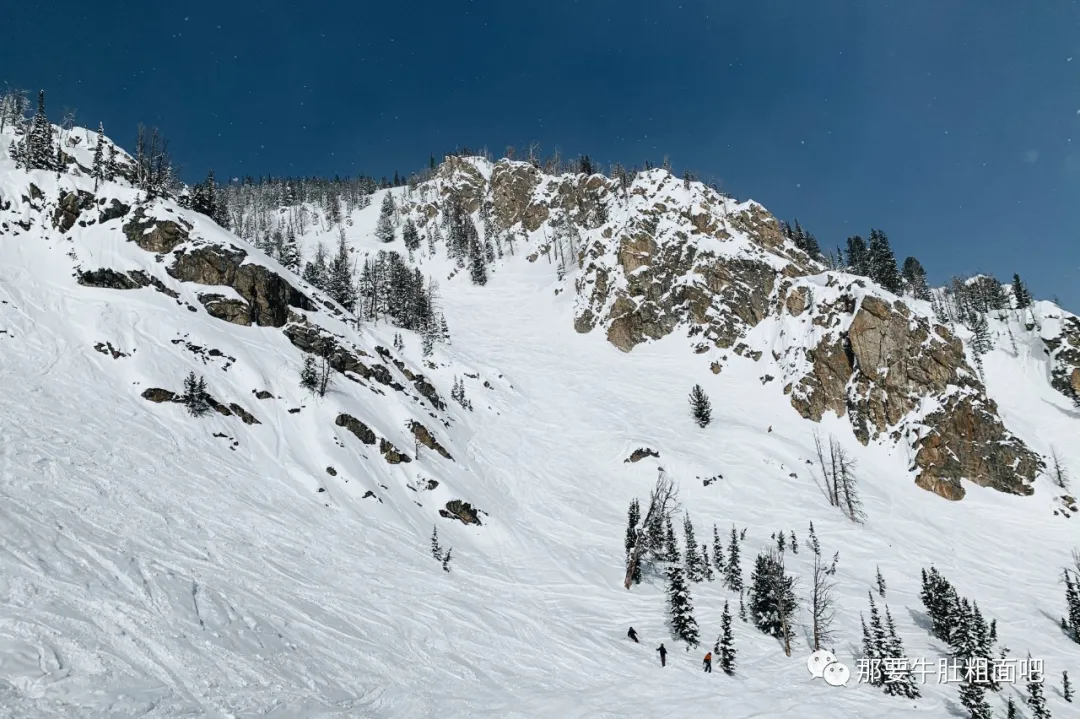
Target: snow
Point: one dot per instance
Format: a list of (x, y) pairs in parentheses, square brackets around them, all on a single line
[(148, 568)]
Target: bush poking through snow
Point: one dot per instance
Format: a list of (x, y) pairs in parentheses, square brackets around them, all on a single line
[(700, 407), (196, 398)]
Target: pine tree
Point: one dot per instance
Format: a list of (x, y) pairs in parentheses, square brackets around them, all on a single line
[(1010, 708), (742, 608), (694, 571), (772, 596), (97, 168), (40, 153), (914, 276), (857, 256), (1072, 604), (700, 407), (875, 644), (706, 565), (477, 264), (880, 583), (436, 550), (384, 228), (732, 568), (717, 551), (633, 517), (316, 271), (309, 375), (901, 681), (1036, 699), (195, 397), (725, 645), (683, 623), (446, 560), (1021, 296), (339, 281), (973, 698), (815, 545), (671, 547), (981, 342), (1066, 687), (290, 252), (882, 263), (410, 236), (794, 543)]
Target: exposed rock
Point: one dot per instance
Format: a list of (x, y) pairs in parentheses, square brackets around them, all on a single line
[(114, 211), (156, 394), (639, 454), (825, 388), (462, 511), (331, 471), (106, 348), (361, 430), (109, 279), (391, 453), (268, 295), (69, 208), (243, 414), (1065, 358), (424, 437), (146, 280), (798, 301), (512, 185), (263, 394), (153, 235), (231, 310)]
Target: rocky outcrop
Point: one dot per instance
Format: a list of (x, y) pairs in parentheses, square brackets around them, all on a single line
[(424, 437), (639, 454), (461, 511), (245, 416), (69, 208), (267, 294), (1064, 350), (156, 394), (392, 454), (884, 368), (231, 310), (114, 211), (512, 186), (109, 279), (358, 428), (154, 235)]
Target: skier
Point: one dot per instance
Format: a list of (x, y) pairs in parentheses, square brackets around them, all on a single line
[(633, 635), (663, 655), (708, 663)]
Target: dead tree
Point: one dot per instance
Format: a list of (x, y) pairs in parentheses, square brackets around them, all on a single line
[(663, 503), (1058, 473), (822, 603), (841, 485)]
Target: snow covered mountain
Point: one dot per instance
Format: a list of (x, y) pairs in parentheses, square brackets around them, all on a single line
[(273, 557)]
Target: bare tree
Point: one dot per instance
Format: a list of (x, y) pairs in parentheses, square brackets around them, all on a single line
[(1057, 470), (841, 485), (663, 504), (822, 602)]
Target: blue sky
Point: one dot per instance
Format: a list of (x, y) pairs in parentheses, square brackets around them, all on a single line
[(953, 125)]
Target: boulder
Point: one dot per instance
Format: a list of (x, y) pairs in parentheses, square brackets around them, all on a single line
[(231, 310), (156, 394), (69, 208), (106, 278), (424, 437), (154, 235), (361, 430), (391, 453), (639, 454), (114, 211), (461, 511)]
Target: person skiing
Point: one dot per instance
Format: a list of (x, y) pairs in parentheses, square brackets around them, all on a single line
[(633, 635), (663, 655), (708, 663)]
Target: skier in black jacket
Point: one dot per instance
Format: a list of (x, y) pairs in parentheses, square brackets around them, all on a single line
[(632, 634), (663, 655)]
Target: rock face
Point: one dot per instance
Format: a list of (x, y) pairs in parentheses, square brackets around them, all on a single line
[(1064, 349), (153, 235), (462, 511), (231, 310), (424, 437), (391, 453), (69, 208), (268, 296), (361, 430), (639, 454), (156, 394), (884, 368), (106, 278)]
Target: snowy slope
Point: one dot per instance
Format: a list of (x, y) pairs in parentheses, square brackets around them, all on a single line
[(151, 568)]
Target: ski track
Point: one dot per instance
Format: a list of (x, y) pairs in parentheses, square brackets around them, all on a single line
[(148, 570)]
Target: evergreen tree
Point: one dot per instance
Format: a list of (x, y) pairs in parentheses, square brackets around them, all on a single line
[(815, 545), (794, 543), (981, 342), (973, 699), (633, 517), (309, 375), (901, 680), (772, 596), (290, 252), (742, 608), (725, 645), (875, 644), (477, 265), (40, 154), (1010, 708), (706, 565), (1036, 699), (410, 236), (97, 167), (717, 551), (700, 407), (1066, 687), (914, 276), (196, 399), (781, 541), (671, 547), (732, 568), (446, 560), (694, 570), (316, 271), (384, 228), (1072, 604), (1021, 296), (436, 550), (683, 624), (858, 262), (882, 263), (339, 281), (880, 580)]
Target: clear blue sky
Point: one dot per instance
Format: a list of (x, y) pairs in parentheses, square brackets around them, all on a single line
[(954, 125)]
